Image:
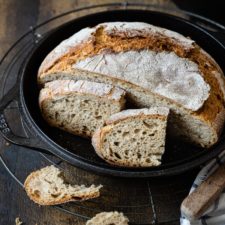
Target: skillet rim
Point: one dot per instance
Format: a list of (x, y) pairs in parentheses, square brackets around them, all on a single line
[(61, 152)]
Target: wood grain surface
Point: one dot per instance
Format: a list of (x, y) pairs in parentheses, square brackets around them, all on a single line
[(15, 18)]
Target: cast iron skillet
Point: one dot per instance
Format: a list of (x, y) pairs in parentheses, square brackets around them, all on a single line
[(179, 156)]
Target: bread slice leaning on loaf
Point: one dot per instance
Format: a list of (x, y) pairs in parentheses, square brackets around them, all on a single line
[(133, 138), (155, 66), (48, 186), (108, 218), (79, 107)]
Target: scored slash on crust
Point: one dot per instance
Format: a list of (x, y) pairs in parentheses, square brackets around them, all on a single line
[(198, 124)]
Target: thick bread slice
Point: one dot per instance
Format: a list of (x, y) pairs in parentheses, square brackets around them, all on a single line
[(178, 73), (108, 218), (47, 186), (133, 138), (79, 107)]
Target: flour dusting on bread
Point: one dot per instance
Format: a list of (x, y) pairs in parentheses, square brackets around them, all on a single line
[(163, 73), (156, 67)]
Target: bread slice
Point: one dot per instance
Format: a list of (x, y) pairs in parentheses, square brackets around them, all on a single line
[(155, 66), (48, 186), (108, 218), (133, 138), (79, 107)]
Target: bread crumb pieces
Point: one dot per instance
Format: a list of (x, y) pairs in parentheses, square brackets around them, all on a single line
[(7, 144), (108, 218), (48, 186), (18, 221)]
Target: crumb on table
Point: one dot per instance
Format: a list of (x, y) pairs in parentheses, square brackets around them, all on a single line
[(18, 221)]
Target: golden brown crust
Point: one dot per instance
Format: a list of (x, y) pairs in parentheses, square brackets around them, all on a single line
[(97, 144), (98, 38), (97, 138), (213, 106), (215, 103), (218, 122), (201, 114), (113, 44), (117, 44)]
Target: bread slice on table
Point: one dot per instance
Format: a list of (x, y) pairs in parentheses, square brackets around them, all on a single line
[(133, 138), (79, 107), (108, 218), (48, 186), (155, 66)]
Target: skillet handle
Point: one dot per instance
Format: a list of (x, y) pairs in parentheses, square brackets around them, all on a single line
[(28, 142)]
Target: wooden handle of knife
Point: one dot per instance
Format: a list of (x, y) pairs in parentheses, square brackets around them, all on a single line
[(203, 196)]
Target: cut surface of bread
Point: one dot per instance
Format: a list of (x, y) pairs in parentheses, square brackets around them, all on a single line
[(155, 66), (79, 107), (133, 138), (108, 218), (48, 186)]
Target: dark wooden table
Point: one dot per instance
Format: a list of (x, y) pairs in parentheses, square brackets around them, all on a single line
[(15, 18)]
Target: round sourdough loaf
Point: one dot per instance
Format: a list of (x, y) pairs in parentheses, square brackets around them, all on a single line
[(156, 67)]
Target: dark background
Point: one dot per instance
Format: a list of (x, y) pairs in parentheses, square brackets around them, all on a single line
[(214, 9)]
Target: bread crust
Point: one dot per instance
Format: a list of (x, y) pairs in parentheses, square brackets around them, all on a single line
[(88, 36), (75, 42), (97, 138), (219, 121), (66, 87), (97, 144), (107, 218), (65, 199), (122, 84), (154, 112), (119, 40), (218, 74)]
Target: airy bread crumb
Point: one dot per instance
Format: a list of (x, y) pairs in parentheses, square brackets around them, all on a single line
[(202, 127), (79, 107), (108, 218), (133, 138), (48, 186)]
